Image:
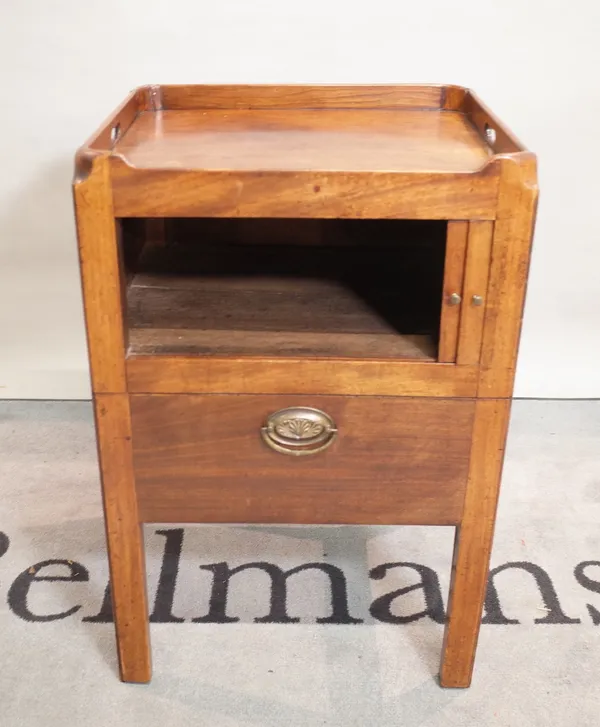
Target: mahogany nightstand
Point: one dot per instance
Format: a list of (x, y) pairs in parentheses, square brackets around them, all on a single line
[(303, 305)]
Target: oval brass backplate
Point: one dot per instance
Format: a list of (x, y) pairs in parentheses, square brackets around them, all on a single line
[(299, 430)]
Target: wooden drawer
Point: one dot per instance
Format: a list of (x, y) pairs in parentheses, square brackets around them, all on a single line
[(201, 458)]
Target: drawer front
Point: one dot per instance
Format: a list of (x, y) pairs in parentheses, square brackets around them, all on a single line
[(206, 458)]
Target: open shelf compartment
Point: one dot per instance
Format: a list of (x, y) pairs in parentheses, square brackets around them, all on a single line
[(284, 287)]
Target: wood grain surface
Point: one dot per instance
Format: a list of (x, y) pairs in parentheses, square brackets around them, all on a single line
[(341, 195), (456, 246), (344, 163), (105, 137), (297, 375), (322, 97), (172, 341), (511, 250), (475, 284), (167, 341), (201, 458), (179, 433), (474, 542), (298, 140), (124, 536), (482, 119), (102, 278), (214, 296)]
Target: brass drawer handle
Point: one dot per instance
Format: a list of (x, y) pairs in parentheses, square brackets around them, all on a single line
[(299, 430)]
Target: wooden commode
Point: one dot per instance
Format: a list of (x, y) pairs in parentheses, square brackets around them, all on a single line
[(303, 305)]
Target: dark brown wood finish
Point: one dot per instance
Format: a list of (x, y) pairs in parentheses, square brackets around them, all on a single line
[(185, 371), (172, 341), (364, 301), (201, 458)]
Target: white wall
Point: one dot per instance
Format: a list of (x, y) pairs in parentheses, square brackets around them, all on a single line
[(64, 64)]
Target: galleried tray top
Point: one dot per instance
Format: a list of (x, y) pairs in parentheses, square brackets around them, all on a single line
[(272, 149), (424, 129), (346, 140)]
